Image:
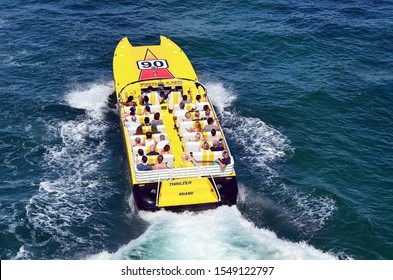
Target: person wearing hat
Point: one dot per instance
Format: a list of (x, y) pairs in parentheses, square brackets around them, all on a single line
[(225, 160)]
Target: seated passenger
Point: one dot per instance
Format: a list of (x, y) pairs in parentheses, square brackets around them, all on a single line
[(130, 101), (139, 130), (205, 147), (146, 121), (157, 120), (146, 110), (131, 112), (197, 128), (185, 100), (197, 116), (149, 139), (198, 138), (138, 157), (187, 161), (138, 142), (198, 98), (210, 125), (160, 164), (216, 147), (166, 150), (187, 117), (181, 112), (133, 122), (154, 129), (207, 111), (144, 166), (161, 92), (214, 136), (146, 101), (163, 139), (153, 151), (225, 160)]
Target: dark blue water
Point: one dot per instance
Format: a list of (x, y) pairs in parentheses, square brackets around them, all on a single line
[(304, 90)]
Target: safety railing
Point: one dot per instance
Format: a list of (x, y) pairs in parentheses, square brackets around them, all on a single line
[(177, 173)]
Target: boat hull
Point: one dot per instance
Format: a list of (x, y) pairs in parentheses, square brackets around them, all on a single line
[(145, 196)]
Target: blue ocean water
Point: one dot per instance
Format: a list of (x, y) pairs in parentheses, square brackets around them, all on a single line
[(304, 91)]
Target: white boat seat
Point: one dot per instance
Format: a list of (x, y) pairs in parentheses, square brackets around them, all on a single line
[(174, 98), (184, 126), (132, 130), (143, 137), (207, 135), (206, 158)]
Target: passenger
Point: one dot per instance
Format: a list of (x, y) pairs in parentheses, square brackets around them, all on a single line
[(139, 130), (197, 128), (205, 147), (163, 139), (214, 136), (160, 164), (138, 157), (130, 101), (162, 142), (146, 121), (144, 166), (217, 147), (131, 112), (210, 125), (145, 93), (166, 150), (149, 89), (197, 116), (157, 120), (146, 101), (187, 161), (179, 113), (198, 138), (133, 122), (154, 129), (198, 98), (207, 111), (187, 117), (147, 110), (153, 151), (225, 160), (138, 142), (186, 100), (161, 92), (149, 139)]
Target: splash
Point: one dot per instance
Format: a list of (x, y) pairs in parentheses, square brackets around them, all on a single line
[(259, 148), (219, 234), (259, 143), (72, 186)]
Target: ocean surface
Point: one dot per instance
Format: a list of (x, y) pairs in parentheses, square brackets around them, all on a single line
[(304, 90)]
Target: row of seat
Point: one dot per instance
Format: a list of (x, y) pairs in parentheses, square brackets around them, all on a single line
[(169, 159), (160, 129), (189, 106), (140, 109)]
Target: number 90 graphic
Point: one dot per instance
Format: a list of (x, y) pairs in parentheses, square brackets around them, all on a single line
[(152, 64)]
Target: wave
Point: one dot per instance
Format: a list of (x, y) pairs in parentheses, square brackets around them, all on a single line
[(217, 234), (259, 148), (73, 185)]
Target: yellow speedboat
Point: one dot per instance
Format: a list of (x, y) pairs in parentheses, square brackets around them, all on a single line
[(171, 166)]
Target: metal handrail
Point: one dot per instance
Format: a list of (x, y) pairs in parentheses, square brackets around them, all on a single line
[(215, 186)]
